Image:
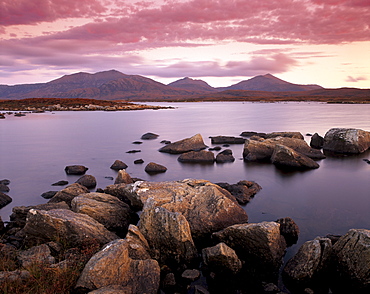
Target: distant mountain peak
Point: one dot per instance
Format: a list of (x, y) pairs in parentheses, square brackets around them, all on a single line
[(192, 85)]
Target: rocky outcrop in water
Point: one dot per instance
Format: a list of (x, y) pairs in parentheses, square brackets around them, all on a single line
[(68, 193), (201, 156), (75, 169), (118, 165), (225, 156), (317, 141), (227, 140), (87, 181), (4, 200), (154, 168), (347, 141), (194, 143), (243, 191)]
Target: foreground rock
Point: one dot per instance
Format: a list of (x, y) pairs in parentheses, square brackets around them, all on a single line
[(68, 193), (202, 156), (74, 229), (168, 234), (87, 181), (352, 261), (207, 207), (108, 210), (130, 274), (4, 200), (75, 169), (260, 245), (121, 192), (194, 143), (287, 158), (123, 177), (243, 191), (309, 267), (347, 141)]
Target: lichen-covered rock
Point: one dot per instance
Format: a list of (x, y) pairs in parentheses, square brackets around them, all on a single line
[(285, 157), (108, 210), (351, 255), (66, 226), (308, 268), (347, 141), (207, 207), (194, 143), (123, 178), (168, 235), (221, 259), (259, 244), (201, 156), (87, 181), (135, 276), (68, 193)]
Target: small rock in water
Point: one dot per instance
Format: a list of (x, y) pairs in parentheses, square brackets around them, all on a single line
[(137, 142), (88, 181), (4, 188), (133, 151), (4, 199), (149, 136), (5, 182), (109, 178), (366, 160), (138, 161), (49, 194), (155, 168), (165, 142), (60, 183), (75, 169), (118, 165)]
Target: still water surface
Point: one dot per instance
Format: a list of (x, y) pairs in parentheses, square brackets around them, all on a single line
[(332, 199)]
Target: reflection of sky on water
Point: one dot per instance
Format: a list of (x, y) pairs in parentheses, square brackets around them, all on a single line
[(332, 199)]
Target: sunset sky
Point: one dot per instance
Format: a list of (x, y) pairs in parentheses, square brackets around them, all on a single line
[(222, 42)]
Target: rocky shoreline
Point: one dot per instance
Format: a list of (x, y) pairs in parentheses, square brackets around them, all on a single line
[(186, 236)]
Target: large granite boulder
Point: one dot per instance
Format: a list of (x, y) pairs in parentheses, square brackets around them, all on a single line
[(68, 193), (4, 200), (66, 226), (227, 140), (207, 207), (19, 213), (259, 244), (75, 169), (347, 141), (121, 192), (243, 191), (194, 143), (287, 158), (309, 267), (113, 265), (87, 181), (221, 259), (108, 210), (123, 177), (351, 256), (201, 156)]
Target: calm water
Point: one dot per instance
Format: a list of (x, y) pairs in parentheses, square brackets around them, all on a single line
[(332, 199)]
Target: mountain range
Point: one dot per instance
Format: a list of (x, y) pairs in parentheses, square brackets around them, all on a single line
[(114, 85)]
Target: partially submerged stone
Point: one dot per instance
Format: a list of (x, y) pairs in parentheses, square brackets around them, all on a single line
[(194, 143), (347, 141), (123, 177), (87, 181), (75, 169), (118, 165), (154, 168), (68, 193), (4, 200), (202, 156)]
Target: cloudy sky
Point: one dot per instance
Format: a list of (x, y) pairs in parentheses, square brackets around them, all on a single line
[(222, 42)]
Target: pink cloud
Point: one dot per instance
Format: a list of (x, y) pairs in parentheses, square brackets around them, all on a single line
[(351, 79)]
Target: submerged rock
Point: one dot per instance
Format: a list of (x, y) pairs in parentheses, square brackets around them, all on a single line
[(194, 143), (347, 141), (149, 136)]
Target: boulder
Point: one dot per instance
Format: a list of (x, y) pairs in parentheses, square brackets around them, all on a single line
[(68, 193), (243, 191), (35, 256), (221, 259), (225, 156), (194, 143), (351, 256), (207, 207), (66, 226), (123, 177), (227, 140), (19, 215), (287, 158), (317, 141), (296, 135), (154, 168), (289, 229), (118, 165), (259, 244), (5, 182), (125, 195), (108, 210), (4, 188), (48, 194), (4, 200), (149, 136), (168, 235), (308, 268), (75, 169), (138, 247), (87, 181), (347, 141), (258, 150), (134, 276), (60, 183), (298, 145), (201, 156)]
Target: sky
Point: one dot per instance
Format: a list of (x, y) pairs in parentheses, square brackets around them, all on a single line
[(222, 42)]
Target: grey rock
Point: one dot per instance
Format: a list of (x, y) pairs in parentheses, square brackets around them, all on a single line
[(118, 165), (191, 274), (75, 169), (243, 191), (49, 194), (87, 181), (285, 157), (60, 183), (201, 156), (18, 276), (5, 182), (194, 143), (4, 188), (347, 141)]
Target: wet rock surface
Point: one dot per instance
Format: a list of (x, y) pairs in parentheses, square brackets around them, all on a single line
[(194, 143)]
